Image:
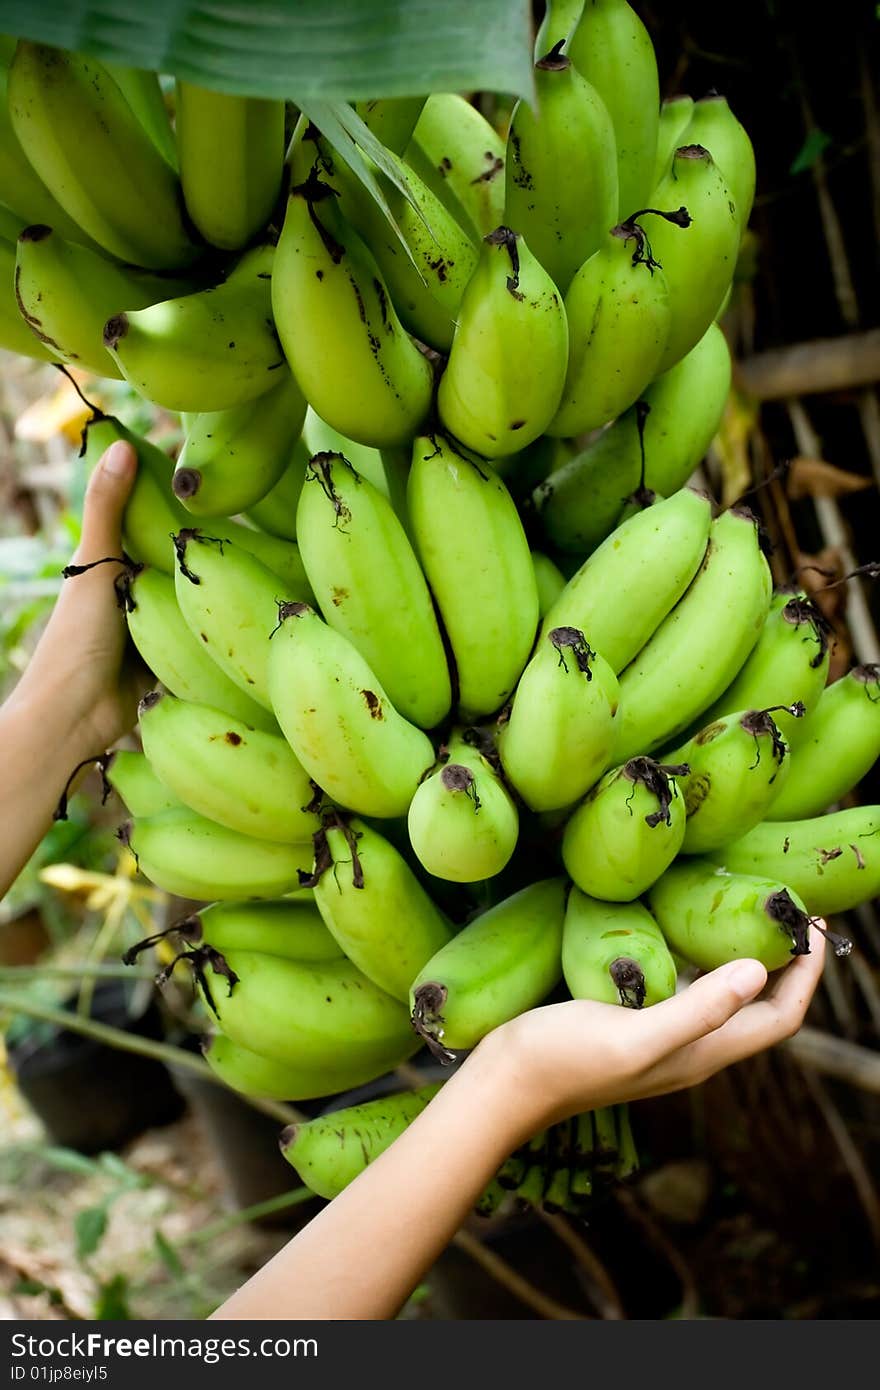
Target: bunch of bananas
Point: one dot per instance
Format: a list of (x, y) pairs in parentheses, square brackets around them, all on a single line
[(461, 699)]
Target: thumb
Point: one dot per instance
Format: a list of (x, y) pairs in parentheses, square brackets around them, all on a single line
[(704, 1006), (106, 495)]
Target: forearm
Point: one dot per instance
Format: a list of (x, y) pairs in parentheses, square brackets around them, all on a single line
[(363, 1255)]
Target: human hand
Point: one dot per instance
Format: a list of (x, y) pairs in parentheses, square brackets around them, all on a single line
[(563, 1059)]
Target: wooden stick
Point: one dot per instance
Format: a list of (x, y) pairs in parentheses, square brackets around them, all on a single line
[(845, 1061), (806, 369)]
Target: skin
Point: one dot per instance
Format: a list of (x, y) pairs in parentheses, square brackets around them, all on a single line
[(79, 695)]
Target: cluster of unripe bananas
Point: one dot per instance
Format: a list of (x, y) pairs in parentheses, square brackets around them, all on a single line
[(459, 698)]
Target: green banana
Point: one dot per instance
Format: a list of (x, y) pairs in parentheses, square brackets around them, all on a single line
[(550, 582), (627, 831), (612, 49), (276, 511), (137, 786), (704, 641), (832, 861), (710, 916), (66, 293), (675, 114), (580, 503), (561, 18), (619, 317), (474, 552), (232, 458), (505, 961), (231, 154), (561, 191), (238, 776), (322, 438), (788, 665), (143, 92), (346, 346), (254, 1075), (714, 126), (374, 906), (391, 119), (463, 824), (332, 1150), (178, 658), (504, 378), (338, 719), (186, 854), (87, 145), (615, 953), (838, 747), (560, 732), (737, 765), (369, 586), (454, 143), (287, 927), (211, 350), (15, 334), (622, 593), (698, 265)]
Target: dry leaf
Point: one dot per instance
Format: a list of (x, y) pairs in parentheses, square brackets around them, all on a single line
[(731, 446), (59, 412), (816, 478)]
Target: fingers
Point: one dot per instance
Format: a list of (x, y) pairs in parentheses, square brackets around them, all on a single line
[(702, 1008), (107, 493)]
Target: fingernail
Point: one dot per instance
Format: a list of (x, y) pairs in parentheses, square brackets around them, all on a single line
[(118, 459), (746, 978)]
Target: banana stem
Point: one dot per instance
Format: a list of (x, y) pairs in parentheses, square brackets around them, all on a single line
[(205, 1234)]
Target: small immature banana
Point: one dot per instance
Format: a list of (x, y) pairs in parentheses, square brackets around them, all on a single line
[(463, 824), (703, 642), (332, 1150), (560, 732), (238, 776), (627, 832), (562, 190), (461, 156), (286, 927), (550, 581), (255, 1075), (276, 511), (374, 906), (838, 747), (137, 785), (504, 378), (615, 953), (211, 350), (186, 854), (338, 719), (369, 586), (710, 916), (231, 153), (659, 448), (675, 114), (714, 126), (832, 861), (505, 961), (473, 550), (232, 458)]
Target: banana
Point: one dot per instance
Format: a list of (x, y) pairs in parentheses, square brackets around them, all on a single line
[(737, 765), (276, 512), (461, 156), (288, 928), (615, 953), (838, 747), (675, 114), (391, 119), (699, 264), (619, 317), (231, 154), (462, 822), (338, 719), (550, 581), (710, 916), (254, 1075), (561, 18), (832, 861), (137, 786), (369, 586), (560, 732), (504, 378), (232, 458), (612, 49), (15, 334), (184, 853), (374, 906), (505, 961), (66, 293), (238, 776), (322, 438), (88, 147), (331, 1151), (474, 552), (627, 832), (626, 588), (714, 126), (561, 188), (178, 658), (211, 350), (143, 92), (580, 503), (346, 346), (788, 665), (704, 641)]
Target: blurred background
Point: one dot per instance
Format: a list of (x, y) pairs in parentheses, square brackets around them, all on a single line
[(133, 1187)]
